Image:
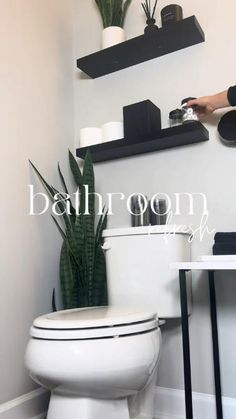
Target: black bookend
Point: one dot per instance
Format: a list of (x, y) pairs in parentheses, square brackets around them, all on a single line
[(141, 120)]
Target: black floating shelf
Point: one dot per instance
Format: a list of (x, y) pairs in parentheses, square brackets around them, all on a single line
[(176, 36), (181, 135)]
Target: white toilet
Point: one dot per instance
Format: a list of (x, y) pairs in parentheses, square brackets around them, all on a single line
[(102, 362)]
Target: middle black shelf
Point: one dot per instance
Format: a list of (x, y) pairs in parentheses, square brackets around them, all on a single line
[(181, 135)]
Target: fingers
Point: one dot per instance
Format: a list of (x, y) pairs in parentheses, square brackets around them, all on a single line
[(196, 102), (201, 105)]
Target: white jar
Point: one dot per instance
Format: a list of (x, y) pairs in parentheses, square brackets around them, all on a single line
[(90, 136), (112, 131), (112, 35)]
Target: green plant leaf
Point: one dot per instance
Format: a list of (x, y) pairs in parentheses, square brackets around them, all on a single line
[(63, 235), (102, 224), (72, 209), (54, 307), (75, 170), (117, 13), (74, 293), (82, 261), (124, 12), (100, 297), (62, 179), (109, 6), (67, 272), (100, 6), (63, 209), (88, 222), (46, 186)]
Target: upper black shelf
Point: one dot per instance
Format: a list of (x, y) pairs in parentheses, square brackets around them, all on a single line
[(176, 36), (181, 135)]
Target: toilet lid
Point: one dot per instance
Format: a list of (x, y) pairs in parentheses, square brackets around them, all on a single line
[(94, 322)]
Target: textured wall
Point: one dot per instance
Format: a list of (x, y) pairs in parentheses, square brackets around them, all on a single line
[(208, 167), (36, 106)]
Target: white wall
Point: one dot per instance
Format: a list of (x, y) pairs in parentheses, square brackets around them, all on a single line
[(209, 167), (36, 107)]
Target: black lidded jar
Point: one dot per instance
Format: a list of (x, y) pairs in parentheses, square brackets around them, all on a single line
[(171, 13), (176, 117)]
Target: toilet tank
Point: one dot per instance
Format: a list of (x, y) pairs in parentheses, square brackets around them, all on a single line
[(138, 267)]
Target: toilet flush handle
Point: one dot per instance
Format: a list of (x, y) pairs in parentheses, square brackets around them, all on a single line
[(106, 246)]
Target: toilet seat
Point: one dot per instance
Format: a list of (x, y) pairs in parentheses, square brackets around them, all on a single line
[(93, 323)]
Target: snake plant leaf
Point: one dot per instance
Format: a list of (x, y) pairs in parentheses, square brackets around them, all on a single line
[(88, 222), (76, 172), (125, 8), (117, 12), (88, 179), (51, 191), (113, 12), (100, 297), (67, 271), (108, 7), (72, 209), (54, 306), (82, 261), (63, 210), (46, 186), (62, 179), (59, 228), (102, 225), (79, 239), (74, 293), (101, 9), (71, 245)]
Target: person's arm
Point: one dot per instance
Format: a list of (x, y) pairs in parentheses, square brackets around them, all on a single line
[(208, 104)]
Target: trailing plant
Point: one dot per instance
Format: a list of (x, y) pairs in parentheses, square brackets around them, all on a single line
[(113, 12), (82, 260), (149, 10)]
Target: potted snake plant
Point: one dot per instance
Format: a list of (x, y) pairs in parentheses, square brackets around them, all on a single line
[(82, 260), (113, 13)]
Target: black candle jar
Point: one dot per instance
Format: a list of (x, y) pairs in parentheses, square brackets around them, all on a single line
[(176, 117), (171, 13)]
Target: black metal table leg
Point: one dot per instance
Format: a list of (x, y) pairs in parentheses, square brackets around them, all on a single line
[(186, 345), (215, 345)]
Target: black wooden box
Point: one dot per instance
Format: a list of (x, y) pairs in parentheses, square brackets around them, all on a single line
[(141, 120)]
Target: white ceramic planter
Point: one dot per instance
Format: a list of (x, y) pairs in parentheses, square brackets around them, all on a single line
[(112, 131), (90, 136), (112, 35)]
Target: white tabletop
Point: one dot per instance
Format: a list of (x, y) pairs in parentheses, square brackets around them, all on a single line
[(205, 266)]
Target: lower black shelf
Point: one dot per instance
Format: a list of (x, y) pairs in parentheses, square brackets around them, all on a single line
[(181, 135)]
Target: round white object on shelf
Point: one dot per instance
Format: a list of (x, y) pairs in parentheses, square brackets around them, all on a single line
[(90, 136), (112, 35), (112, 131)]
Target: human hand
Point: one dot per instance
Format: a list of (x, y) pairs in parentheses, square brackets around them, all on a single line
[(204, 105), (207, 104)]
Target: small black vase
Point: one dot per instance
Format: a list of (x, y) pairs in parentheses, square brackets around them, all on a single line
[(151, 27)]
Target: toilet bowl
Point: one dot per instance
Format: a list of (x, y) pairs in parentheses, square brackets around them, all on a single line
[(98, 363), (102, 363)]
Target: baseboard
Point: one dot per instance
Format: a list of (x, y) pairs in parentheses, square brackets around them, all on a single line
[(29, 406), (169, 404)]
